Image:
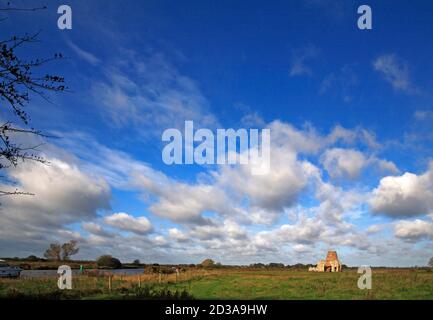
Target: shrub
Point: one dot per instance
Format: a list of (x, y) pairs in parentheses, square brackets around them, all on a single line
[(208, 263), (108, 261)]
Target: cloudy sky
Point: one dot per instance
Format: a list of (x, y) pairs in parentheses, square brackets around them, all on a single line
[(350, 114)]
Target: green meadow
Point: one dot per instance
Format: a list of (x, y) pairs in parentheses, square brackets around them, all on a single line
[(232, 284)]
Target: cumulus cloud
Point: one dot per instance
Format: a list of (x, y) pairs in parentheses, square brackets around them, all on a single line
[(159, 241), (349, 163), (177, 235), (273, 191), (374, 229), (343, 162), (407, 195), (414, 230), (182, 202), (387, 166), (219, 213), (96, 229), (231, 191), (63, 193), (126, 222), (227, 229)]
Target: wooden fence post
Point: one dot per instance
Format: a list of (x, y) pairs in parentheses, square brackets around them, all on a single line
[(139, 281), (109, 283)]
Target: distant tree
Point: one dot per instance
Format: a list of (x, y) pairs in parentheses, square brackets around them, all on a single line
[(69, 249), (107, 261), (136, 261), (257, 265), (207, 263), (430, 263), (61, 252), (276, 265), (54, 252), (32, 258)]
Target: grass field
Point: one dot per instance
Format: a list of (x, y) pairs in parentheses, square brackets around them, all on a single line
[(232, 284), (387, 284)]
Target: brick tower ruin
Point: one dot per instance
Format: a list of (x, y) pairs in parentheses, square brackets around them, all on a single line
[(330, 264)]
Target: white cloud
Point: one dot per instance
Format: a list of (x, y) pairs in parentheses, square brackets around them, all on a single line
[(63, 193), (343, 162), (387, 166), (178, 235), (374, 229), (96, 229), (395, 72), (227, 229), (404, 196), (253, 120), (340, 83), (181, 202), (423, 115), (126, 222), (148, 93), (300, 58), (273, 191), (159, 241), (349, 163), (85, 55), (220, 213), (414, 230)]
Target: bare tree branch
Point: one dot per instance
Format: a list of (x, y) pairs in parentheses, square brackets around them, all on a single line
[(19, 78)]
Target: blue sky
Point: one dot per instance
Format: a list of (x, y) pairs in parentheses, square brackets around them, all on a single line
[(350, 113)]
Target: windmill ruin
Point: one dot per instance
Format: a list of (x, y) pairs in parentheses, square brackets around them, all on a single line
[(330, 264)]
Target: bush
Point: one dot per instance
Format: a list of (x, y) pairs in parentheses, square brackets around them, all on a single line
[(208, 263), (108, 261), (276, 265)]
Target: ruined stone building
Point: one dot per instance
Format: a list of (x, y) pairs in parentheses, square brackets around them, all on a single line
[(330, 264)]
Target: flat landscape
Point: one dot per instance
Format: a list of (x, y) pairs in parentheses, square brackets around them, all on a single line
[(230, 284)]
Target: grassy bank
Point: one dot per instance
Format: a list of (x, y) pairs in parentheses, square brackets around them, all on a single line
[(231, 284), (87, 288)]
